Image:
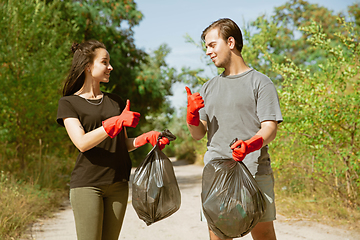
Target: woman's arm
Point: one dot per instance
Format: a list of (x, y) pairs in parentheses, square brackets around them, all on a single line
[(130, 142), (83, 141), (151, 137)]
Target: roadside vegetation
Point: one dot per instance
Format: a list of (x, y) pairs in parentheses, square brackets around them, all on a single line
[(311, 53), (316, 65)]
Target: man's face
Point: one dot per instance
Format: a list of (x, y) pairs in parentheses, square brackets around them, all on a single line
[(217, 49)]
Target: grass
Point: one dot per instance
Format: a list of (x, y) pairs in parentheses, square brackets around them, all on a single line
[(318, 208), (44, 190), (32, 193), (23, 203), (311, 206)]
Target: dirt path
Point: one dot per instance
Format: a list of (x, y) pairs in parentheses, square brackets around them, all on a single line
[(185, 224)]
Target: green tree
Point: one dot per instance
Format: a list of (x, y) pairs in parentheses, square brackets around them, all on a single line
[(322, 113), (144, 79), (313, 57), (35, 41), (35, 57), (33, 60), (317, 72), (286, 39), (153, 85), (111, 22)]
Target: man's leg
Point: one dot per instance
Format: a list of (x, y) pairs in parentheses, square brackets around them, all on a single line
[(214, 237), (263, 231)]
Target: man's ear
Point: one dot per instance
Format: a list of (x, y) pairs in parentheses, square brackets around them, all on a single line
[(231, 42)]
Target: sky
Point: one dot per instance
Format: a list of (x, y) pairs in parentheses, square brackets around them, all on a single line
[(168, 21)]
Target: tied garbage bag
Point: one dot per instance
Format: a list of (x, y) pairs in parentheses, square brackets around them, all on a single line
[(231, 199), (155, 191)]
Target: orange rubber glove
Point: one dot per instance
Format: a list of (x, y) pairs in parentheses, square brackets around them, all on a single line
[(127, 118), (195, 103), (151, 137), (242, 148)]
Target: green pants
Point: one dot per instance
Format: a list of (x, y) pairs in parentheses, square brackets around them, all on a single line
[(99, 211)]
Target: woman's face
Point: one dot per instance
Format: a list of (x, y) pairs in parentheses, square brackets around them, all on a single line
[(101, 68)]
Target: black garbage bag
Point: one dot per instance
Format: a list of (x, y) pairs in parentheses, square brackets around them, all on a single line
[(155, 191), (231, 199)]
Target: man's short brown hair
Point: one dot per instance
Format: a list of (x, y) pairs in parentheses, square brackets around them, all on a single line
[(227, 28)]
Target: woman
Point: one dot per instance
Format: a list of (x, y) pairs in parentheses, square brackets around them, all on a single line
[(95, 122)]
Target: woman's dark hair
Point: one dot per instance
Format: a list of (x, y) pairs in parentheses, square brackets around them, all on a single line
[(227, 28), (84, 54)]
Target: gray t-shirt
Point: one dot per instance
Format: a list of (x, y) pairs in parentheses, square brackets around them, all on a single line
[(235, 106)]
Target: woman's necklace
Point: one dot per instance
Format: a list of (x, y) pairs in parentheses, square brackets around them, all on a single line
[(95, 103), (94, 99)]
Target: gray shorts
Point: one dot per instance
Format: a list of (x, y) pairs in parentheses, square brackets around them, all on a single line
[(266, 184)]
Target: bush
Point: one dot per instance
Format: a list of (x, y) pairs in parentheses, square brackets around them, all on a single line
[(33, 201)]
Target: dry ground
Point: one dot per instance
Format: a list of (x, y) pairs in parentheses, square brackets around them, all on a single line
[(185, 224)]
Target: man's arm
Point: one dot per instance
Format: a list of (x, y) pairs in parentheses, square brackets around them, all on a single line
[(196, 126), (264, 136), (268, 131), (198, 132)]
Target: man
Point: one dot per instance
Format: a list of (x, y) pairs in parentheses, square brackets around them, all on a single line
[(239, 103)]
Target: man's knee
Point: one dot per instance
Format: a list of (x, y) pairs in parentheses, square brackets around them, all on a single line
[(214, 237), (263, 231)]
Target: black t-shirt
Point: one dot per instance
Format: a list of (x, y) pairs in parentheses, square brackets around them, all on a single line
[(109, 161)]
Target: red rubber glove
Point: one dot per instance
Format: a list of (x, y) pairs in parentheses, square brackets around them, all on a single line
[(151, 137), (127, 118), (195, 103), (242, 148)]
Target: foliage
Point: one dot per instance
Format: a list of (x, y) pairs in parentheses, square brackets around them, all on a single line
[(111, 22), (143, 78), (312, 55), (30, 198), (317, 148), (322, 114), (35, 57), (32, 63), (286, 38), (185, 147), (156, 78), (154, 82)]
